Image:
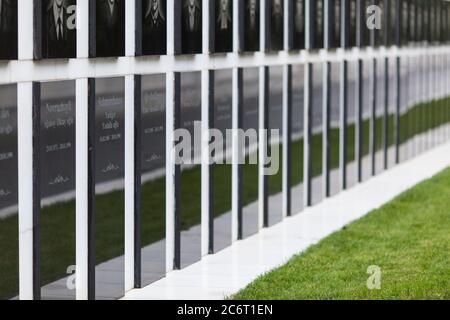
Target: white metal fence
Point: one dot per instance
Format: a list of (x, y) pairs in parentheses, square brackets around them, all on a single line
[(26, 72)]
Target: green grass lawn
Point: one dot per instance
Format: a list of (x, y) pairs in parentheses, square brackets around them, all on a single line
[(58, 221), (408, 238)]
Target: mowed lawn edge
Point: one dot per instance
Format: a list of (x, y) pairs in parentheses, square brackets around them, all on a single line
[(408, 239)]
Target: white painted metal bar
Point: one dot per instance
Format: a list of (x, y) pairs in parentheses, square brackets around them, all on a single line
[(129, 184), (81, 203), (52, 70), (82, 28), (130, 43), (25, 188), (25, 154), (170, 138), (81, 151)]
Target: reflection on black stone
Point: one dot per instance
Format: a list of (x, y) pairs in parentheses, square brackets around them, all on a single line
[(364, 39), (317, 126), (250, 170), (316, 32), (222, 172), (298, 30), (153, 160), (408, 24), (110, 28), (298, 75), (275, 123), (333, 151), (276, 11), (57, 184), (351, 120), (366, 120), (223, 41), (335, 25), (154, 27), (109, 174), (251, 25), (59, 29), (352, 23), (191, 174), (9, 230), (8, 30), (191, 27)]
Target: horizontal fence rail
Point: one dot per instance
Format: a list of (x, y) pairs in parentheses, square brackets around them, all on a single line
[(93, 202)]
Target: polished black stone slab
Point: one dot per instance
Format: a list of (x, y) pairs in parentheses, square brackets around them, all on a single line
[(109, 198), (251, 25), (298, 24), (222, 24), (56, 29), (191, 26), (153, 36), (8, 146), (57, 173), (152, 176), (8, 30), (107, 28), (275, 41)]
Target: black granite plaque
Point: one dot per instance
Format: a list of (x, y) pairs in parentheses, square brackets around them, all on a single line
[(334, 27), (444, 22), (408, 16), (251, 25), (250, 177), (109, 129), (190, 195), (438, 17), (109, 175), (8, 146), (350, 123), (447, 22), (335, 128), (222, 184), (276, 25), (317, 132), (298, 28), (419, 20), (57, 137), (154, 27), (8, 30), (9, 230), (57, 172), (152, 163), (425, 20), (297, 121), (363, 39), (275, 143), (412, 22), (433, 20), (379, 112), (223, 25), (366, 119), (379, 34), (58, 29), (191, 26), (107, 28), (403, 126), (353, 15), (317, 24)]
